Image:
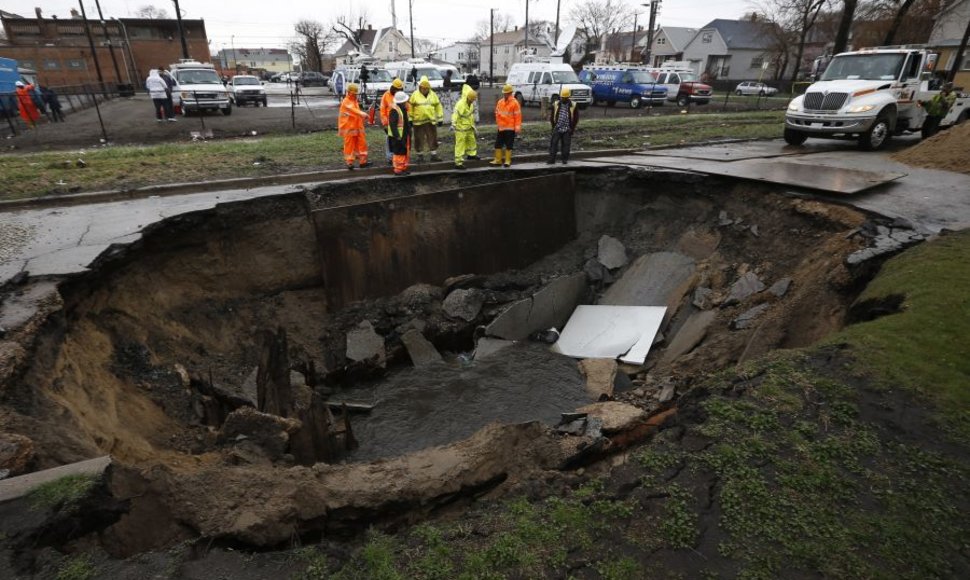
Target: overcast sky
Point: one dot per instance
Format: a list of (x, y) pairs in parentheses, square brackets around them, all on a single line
[(262, 23)]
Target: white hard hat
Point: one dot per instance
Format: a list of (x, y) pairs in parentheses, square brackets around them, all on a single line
[(400, 97), (20, 84)]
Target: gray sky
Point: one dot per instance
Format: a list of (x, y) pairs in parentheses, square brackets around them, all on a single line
[(248, 23)]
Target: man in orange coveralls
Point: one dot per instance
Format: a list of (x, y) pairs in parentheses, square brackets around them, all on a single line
[(350, 126)]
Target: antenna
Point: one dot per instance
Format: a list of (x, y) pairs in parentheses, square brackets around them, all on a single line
[(565, 38)]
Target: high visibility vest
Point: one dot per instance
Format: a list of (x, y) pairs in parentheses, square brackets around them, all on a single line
[(508, 114), (351, 120), (400, 121), (387, 101), (426, 109)]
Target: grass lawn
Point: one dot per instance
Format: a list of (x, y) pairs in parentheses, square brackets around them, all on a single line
[(38, 174)]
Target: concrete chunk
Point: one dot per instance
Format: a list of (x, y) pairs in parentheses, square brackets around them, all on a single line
[(743, 287), (550, 307), (611, 253), (488, 346), (464, 304), (15, 487), (747, 319), (420, 349), (780, 288), (363, 343), (614, 415), (651, 280), (513, 322), (690, 335), (600, 376)]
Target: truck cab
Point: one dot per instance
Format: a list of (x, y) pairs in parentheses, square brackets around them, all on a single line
[(626, 84), (682, 84), (411, 71), (199, 88), (378, 81), (869, 95)]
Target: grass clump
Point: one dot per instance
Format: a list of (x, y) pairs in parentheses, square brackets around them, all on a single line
[(78, 567), (63, 493)]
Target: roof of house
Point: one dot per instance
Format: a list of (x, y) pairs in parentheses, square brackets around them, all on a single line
[(678, 36), (369, 37), (624, 38), (512, 37), (741, 33)]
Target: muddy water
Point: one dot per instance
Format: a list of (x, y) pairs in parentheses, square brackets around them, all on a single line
[(446, 402)]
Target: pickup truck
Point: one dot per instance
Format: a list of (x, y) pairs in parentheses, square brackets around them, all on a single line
[(869, 95)]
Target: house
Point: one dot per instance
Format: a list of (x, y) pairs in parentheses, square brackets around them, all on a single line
[(463, 55), (948, 31), (509, 48), (669, 43), (266, 59), (622, 47), (732, 50), (383, 44), (58, 48)]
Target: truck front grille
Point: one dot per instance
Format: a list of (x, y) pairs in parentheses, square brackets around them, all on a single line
[(825, 102)]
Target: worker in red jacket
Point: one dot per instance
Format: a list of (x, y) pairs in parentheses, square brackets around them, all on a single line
[(25, 102)]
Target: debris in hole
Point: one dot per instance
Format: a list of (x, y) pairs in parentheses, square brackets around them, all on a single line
[(596, 272), (364, 344), (421, 351), (650, 280), (691, 334), (667, 391), (624, 332), (747, 318), (267, 432), (548, 336), (614, 415), (488, 346), (273, 394), (702, 298), (745, 286), (463, 304), (549, 307), (16, 453), (611, 252), (780, 288), (600, 376)]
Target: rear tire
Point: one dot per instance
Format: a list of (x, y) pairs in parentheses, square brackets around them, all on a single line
[(227, 111), (877, 136), (795, 137), (738, 93), (683, 100)]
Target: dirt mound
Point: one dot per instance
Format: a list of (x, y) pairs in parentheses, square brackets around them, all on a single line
[(947, 150)]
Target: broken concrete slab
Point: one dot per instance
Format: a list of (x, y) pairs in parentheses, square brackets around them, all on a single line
[(699, 244), (780, 288), (420, 349), (611, 332), (600, 376), (270, 433), (611, 252), (597, 272), (744, 287), (746, 319), (363, 343), (550, 307), (614, 415), (690, 335), (15, 487), (464, 304), (667, 392), (651, 280), (488, 346)]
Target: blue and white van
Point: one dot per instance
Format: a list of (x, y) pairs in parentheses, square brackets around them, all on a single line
[(624, 84)]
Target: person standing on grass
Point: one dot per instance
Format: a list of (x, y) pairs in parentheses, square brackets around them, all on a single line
[(937, 108), (399, 133), (463, 124), (564, 118), (25, 102), (158, 91), (350, 126), (508, 119), (426, 115), (387, 101)]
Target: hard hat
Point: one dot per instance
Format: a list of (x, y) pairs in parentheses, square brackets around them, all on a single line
[(425, 83), (398, 84), (471, 95), (353, 88), (400, 97), (507, 89), (20, 84), (565, 92)]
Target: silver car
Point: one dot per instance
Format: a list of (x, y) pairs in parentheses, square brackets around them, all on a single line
[(755, 88)]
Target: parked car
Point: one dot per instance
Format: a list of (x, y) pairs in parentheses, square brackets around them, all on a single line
[(313, 79), (755, 88), (625, 84), (199, 88), (247, 89)]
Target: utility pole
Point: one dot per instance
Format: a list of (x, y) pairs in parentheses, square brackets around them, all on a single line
[(491, 46), (633, 41), (527, 26), (958, 57), (411, 21), (178, 17), (94, 52), (555, 39), (111, 48), (235, 65), (654, 8)]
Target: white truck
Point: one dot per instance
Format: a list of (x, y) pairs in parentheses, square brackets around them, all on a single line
[(870, 95), (199, 88), (543, 78)]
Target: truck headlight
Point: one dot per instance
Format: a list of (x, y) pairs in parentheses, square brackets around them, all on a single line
[(861, 108), (793, 106), (186, 95)]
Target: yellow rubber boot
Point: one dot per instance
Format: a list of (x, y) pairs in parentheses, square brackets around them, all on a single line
[(508, 158), (498, 158)]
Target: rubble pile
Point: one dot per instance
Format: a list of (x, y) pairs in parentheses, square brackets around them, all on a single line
[(949, 150)]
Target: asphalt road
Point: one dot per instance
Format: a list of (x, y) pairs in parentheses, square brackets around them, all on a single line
[(131, 121)]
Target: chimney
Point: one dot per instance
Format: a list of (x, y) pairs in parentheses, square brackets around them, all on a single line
[(75, 14), (370, 27), (39, 13)]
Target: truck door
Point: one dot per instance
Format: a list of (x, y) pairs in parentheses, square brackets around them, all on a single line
[(625, 87)]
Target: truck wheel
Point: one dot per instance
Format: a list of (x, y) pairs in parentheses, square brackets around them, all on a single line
[(227, 111), (795, 137), (877, 136), (683, 100), (264, 101), (635, 102)]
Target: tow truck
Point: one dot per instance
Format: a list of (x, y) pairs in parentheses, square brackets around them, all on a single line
[(870, 95)]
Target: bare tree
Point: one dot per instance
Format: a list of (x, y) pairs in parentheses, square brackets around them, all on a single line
[(350, 27), (596, 18), (897, 21), (502, 23), (797, 18), (424, 47), (311, 42), (151, 12), (845, 25)]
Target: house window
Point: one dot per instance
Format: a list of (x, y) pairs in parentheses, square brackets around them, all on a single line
[(757, 62), (661, 40), (707, 37), (51, 64), (76, 64), (506, 50)]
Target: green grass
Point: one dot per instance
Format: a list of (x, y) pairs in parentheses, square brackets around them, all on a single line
[(63, 493), (38, 174), (76, 568)]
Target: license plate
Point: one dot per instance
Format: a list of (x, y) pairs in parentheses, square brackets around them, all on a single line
[(818, 124)]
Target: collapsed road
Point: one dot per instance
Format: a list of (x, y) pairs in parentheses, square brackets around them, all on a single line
[(208, 343)]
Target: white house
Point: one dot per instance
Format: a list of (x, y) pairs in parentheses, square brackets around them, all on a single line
[(731, 50), (270, 59), (669, 43), (508, 48), (384, 44), (463, 55)]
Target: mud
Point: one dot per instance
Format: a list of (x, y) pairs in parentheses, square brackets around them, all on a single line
[(113, 360), (947, 150)]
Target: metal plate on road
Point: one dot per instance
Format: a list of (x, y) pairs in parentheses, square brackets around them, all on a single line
[(745, 150), (823, 178)]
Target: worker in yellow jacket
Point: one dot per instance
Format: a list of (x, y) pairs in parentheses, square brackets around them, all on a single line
[(463, 124), (427, 115)]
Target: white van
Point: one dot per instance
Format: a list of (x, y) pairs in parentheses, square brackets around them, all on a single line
[(534, 81), (411, 71), (199, 88), (457, 77), (378, 81)]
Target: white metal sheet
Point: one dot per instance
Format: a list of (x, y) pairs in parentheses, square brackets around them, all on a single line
[(600, 331)]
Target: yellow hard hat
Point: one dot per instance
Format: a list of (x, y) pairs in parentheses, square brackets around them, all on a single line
[(424, 82), (507, 89), (398, 84), (471, 95), (353, 88), (565, 92)]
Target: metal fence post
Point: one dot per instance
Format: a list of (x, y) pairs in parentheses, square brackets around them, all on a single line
[(104, 132), (3, 110), (199, 112)]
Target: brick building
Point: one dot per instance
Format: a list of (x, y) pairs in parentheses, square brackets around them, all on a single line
[(59, 51)]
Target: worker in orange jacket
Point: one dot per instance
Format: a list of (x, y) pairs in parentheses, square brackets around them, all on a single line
[(350, 126), (387, 102), (508, 118)]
